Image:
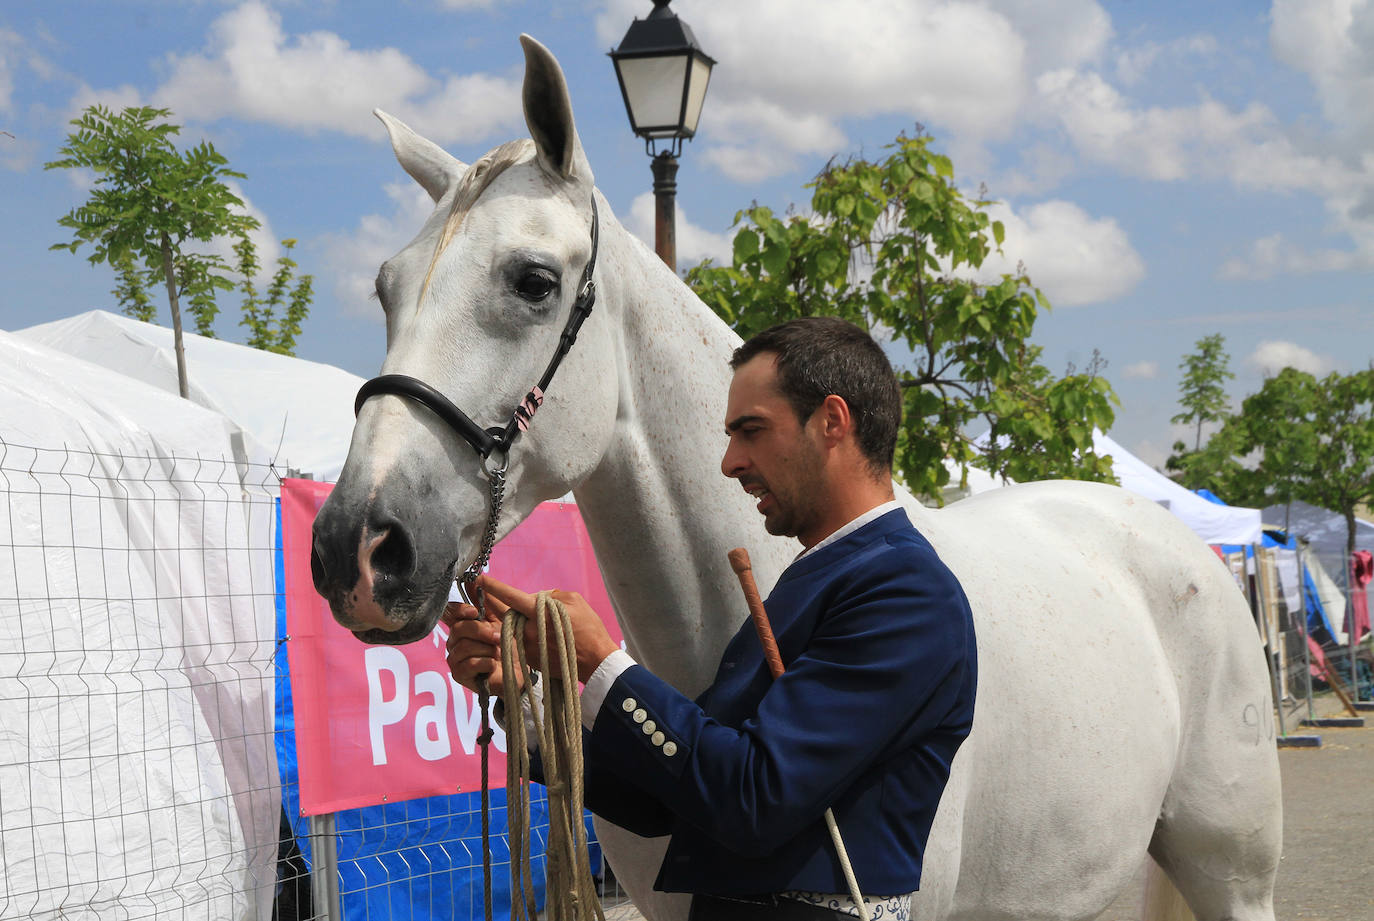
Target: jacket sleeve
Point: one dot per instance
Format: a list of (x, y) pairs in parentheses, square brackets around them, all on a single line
[(884, 666)]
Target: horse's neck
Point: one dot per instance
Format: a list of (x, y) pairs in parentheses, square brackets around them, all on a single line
[(660, 514)]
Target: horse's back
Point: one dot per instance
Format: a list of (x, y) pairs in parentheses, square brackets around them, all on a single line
[(1120, 676)]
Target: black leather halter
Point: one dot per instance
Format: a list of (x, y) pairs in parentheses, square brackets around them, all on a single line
[(497, 438)]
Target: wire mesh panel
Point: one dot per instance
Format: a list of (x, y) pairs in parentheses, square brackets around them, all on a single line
[(147, 750), (137, 773)]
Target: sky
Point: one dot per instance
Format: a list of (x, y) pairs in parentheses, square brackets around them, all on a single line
[(1164, 170)]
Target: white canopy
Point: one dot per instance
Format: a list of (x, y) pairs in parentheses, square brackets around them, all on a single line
[(303, 406), (1215, 524)]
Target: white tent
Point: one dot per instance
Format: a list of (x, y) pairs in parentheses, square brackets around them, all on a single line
[(136, 641), (1215, 524), (303, 406)]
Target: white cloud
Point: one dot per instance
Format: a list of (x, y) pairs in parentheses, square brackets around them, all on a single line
[(352, 259), (113, 98), (960, 65), (1040, 168), (265, 239), (11, 46), (1273, 356), (251, 69), (1141, 370), (1276, 255), (1155, 143), (747, 164), (1247, 147), (1332, 42), (1058, 33), (1132, 64), (1073, 257), (694, 243)]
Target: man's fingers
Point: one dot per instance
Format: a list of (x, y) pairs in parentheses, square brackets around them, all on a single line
[(509, 594), (455, 611), (496, 608)]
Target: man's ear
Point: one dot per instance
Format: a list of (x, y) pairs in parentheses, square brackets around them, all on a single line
[(836, 421)]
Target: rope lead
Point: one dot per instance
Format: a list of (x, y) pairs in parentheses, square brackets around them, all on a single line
[(570, 891)]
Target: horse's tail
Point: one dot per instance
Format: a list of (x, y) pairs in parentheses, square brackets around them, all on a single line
[(1162, 901)]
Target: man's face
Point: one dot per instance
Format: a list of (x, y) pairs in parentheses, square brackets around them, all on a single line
[(777, 460)]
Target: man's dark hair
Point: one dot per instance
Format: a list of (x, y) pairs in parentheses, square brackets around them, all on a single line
[(820, 356)]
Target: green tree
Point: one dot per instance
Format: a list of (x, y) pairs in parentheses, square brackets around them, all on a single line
[(149, 204), (1202, 391), (1308, 439), (890, 246), (268, 329), (1216, 466)]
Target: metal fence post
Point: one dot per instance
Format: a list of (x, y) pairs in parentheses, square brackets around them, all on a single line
[(1347, 585), (324, 874)]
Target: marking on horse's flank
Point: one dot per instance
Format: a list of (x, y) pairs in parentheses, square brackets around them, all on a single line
[(1261, 720)]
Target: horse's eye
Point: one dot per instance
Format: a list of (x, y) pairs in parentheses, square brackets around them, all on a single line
[(536, 285)]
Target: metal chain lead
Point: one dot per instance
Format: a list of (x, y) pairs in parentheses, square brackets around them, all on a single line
[(497, 478)]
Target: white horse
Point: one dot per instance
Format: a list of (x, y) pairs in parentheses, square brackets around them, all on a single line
[(1123, 702)]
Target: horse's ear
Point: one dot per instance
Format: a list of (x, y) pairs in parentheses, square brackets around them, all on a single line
[(548, 113), (428, 164)]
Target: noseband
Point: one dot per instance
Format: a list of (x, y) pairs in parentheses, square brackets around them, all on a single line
[(497, 438)]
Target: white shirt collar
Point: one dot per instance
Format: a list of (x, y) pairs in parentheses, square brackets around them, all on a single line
[(844, 531)]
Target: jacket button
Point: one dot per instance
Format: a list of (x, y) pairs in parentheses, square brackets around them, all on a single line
[(670, 748), (640, 715), (628, 704), (656, 738), (649, 727)]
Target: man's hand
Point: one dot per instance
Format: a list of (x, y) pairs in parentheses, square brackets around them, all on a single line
[(474, 646), (590, 639)]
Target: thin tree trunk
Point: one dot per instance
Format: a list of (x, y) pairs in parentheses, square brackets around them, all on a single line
[(1197, 442), (170, 278), (1349, 534)]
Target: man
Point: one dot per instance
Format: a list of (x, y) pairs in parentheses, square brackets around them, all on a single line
[(875, 634)]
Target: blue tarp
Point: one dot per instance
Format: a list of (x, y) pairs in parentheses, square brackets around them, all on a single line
[(419, 859)]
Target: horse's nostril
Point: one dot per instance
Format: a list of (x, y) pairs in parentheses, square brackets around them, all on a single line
[(318, 573), (394, 557)]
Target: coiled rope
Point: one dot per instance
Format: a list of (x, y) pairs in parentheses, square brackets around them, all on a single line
[(570, 893)]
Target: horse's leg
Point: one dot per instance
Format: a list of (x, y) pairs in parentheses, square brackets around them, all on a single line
[(1220, 829)]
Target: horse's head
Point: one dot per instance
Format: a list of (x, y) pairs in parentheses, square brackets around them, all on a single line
[(475, 307)]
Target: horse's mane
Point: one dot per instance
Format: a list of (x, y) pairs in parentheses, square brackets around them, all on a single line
[(474, 182)]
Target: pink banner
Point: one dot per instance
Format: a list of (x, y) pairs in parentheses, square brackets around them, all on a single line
[(380, 724)]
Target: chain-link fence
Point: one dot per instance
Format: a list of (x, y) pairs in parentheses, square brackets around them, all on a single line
[(1310, 611)]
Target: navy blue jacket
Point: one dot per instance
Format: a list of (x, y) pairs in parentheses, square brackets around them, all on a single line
[(877, 640)]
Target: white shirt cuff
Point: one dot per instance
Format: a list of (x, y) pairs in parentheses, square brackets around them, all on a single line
[(599, 684)]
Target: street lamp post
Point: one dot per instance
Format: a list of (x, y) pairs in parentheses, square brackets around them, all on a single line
[(663, 75)]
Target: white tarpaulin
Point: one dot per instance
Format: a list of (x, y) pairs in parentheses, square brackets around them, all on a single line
[(137, 769), (303, 406)]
